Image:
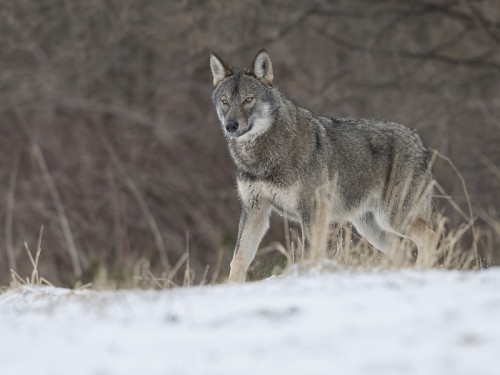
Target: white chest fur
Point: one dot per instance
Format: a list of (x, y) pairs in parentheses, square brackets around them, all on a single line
[(257, 192)]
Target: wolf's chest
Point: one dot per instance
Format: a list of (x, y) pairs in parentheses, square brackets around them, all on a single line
[(260, 192)]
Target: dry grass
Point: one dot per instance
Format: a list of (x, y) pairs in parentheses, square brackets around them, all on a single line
[(334, 247), (344, 249), (34, 278), (339, 247), (143, 277)]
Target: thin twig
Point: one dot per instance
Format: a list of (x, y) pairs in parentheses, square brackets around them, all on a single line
[(469, 205)]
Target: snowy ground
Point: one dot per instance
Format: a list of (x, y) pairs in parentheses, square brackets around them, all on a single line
[(401, 322)]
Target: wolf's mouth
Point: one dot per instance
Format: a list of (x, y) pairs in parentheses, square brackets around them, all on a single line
[(238, 134)]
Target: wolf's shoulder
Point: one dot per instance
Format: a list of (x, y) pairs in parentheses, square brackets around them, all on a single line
[(366, 125), (363, 122)]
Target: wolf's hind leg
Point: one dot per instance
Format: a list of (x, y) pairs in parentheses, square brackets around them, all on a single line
[(426, 240), (386, 242), (254, 223)]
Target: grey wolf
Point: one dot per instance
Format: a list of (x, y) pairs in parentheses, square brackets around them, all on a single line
[(377, 173)]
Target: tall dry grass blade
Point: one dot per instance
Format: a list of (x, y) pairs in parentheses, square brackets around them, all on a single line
[(9, 216), (345, 244), (321, 225), (141, 201), (469, 205), (392, 181), (320, 228), (177, 266), (35, 279), (288, 240), (491, 166), (490, 220), (452, 202), (204, 275), (452, 257), (401, 216), (188, 275), (218, 266), (34, 272), (63, 219), (38, 252), (56, 198), (16, 279)]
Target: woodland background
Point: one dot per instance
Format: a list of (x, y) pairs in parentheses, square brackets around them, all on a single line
[(108, 137)]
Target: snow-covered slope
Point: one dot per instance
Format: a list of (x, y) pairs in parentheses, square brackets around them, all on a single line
[(401, 322)]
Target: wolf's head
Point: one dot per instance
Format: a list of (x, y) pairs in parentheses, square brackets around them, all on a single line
[(244, 98)]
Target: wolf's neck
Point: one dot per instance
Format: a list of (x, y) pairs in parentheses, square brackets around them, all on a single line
[(263, 155)]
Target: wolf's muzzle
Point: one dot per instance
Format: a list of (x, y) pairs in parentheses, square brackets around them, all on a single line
[(232, 126)]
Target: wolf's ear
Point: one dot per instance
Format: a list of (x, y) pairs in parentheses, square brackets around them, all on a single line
[(220, 69), (262, 67)]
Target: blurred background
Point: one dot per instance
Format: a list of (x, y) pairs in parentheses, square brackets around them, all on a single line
[(109, 140)]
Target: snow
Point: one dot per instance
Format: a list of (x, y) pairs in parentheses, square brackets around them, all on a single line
[(397, 322)]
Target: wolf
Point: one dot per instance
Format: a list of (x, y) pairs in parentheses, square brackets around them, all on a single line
[(377, 173)]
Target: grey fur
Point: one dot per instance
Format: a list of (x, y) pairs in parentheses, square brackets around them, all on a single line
[(377, 173)]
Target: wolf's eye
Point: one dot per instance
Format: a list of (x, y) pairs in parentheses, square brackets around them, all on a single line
[(249, 99), (225, 101)]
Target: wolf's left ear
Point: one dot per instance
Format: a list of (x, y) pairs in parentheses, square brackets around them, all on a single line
[(262, 67), (220, 69)]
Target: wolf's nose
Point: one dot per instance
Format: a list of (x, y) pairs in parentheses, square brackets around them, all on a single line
[(232, 126)]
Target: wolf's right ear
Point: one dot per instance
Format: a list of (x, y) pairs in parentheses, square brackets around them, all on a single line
[(220, 69), (262, 67)]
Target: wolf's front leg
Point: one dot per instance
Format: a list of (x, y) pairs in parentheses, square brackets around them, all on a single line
[(254, 222)]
